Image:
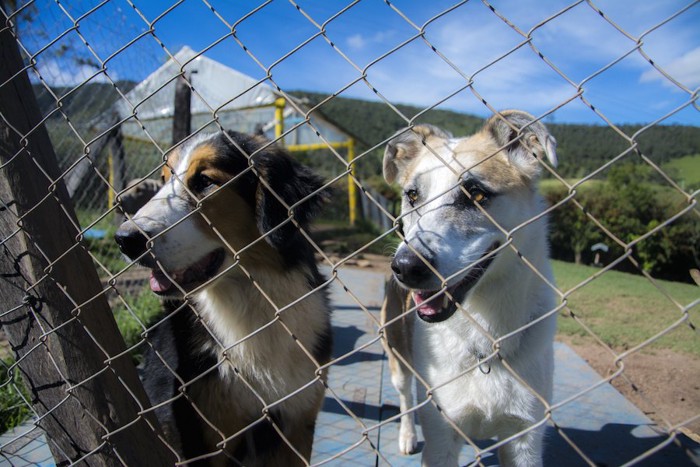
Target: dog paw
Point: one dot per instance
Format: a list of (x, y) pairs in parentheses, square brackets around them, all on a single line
[(408, 442)]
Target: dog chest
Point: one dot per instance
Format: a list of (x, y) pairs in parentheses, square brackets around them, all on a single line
[(477, 397), (259, 358)]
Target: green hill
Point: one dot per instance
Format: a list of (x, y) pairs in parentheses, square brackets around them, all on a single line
[(581, 148), (83, 105)]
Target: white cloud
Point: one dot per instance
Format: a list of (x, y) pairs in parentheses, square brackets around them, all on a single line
[(579, 43), (520, 79), (356, 42), (684, 69), (65, 73), (359, 41)]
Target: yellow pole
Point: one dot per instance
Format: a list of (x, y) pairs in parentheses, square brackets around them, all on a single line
[(352, 193), (110, 191), (317, 146), (279, 119)]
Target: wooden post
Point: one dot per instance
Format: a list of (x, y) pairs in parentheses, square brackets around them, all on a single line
[(59, 326), (75, 178), (182, 110), (117, 164), (119, 158)]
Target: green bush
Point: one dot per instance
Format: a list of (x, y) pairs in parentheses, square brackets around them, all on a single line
[(628, 204)]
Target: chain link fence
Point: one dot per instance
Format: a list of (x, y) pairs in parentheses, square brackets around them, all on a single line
[(90, 120)]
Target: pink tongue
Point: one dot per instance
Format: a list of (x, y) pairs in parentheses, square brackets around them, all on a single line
[(158, 282), (429, 307)]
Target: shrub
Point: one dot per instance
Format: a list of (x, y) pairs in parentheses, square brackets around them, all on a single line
[(628, 204)]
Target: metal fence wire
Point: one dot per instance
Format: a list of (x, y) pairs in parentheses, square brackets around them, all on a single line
[(96, 105)]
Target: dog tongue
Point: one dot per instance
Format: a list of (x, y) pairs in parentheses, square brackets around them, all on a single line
[(427, 305), (158, 282)]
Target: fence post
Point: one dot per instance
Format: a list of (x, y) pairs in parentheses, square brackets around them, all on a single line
[(75, 178), (182, 110), (58, 323), (117, 164)]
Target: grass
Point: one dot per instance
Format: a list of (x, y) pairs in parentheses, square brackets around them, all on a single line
[(625, 309), (141, 312), (685, 169), (105, 249), (341, 239), (548, 184), (13, 408)]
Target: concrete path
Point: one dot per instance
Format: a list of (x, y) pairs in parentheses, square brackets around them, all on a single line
[(351, 429), (606, 427)]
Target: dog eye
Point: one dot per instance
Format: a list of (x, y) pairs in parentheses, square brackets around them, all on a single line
[(477, 195), (201, 182), (412, 196)]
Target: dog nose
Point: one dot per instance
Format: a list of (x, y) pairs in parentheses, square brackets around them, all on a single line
[(131, 242), (410, 269)]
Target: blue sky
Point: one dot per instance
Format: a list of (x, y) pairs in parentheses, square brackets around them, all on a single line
[(471, 42)]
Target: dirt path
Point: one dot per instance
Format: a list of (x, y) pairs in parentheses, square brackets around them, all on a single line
[(663, 384)]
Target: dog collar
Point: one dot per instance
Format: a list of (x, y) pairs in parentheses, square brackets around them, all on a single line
[(485, 367)]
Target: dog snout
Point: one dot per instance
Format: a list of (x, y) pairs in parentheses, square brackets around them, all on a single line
[(411, 269), (132, 242)]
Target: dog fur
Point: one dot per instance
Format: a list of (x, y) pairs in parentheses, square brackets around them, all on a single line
[(471, 214), (239, 332)]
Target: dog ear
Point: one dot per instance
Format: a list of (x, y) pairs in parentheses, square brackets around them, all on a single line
[(536, 141), (283, 182), (405, 146)]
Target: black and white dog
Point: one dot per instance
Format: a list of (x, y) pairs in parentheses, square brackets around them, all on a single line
[(233, 369)]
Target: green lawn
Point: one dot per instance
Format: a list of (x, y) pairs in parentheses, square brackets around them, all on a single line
[(13, 408), (685, 169), (141, 312), (625, 309), (104, 250), (548, 184)]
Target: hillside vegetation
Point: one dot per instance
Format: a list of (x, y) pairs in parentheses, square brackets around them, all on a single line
[(629, 203), (628, 199), (581, 148)]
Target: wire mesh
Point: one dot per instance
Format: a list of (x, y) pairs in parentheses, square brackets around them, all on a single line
[(105, 74)]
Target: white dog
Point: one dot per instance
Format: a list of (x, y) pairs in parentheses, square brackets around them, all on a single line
[(474, 234)]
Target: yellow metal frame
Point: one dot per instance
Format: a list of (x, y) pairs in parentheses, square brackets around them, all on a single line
[(280, 104), (110, 190)]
